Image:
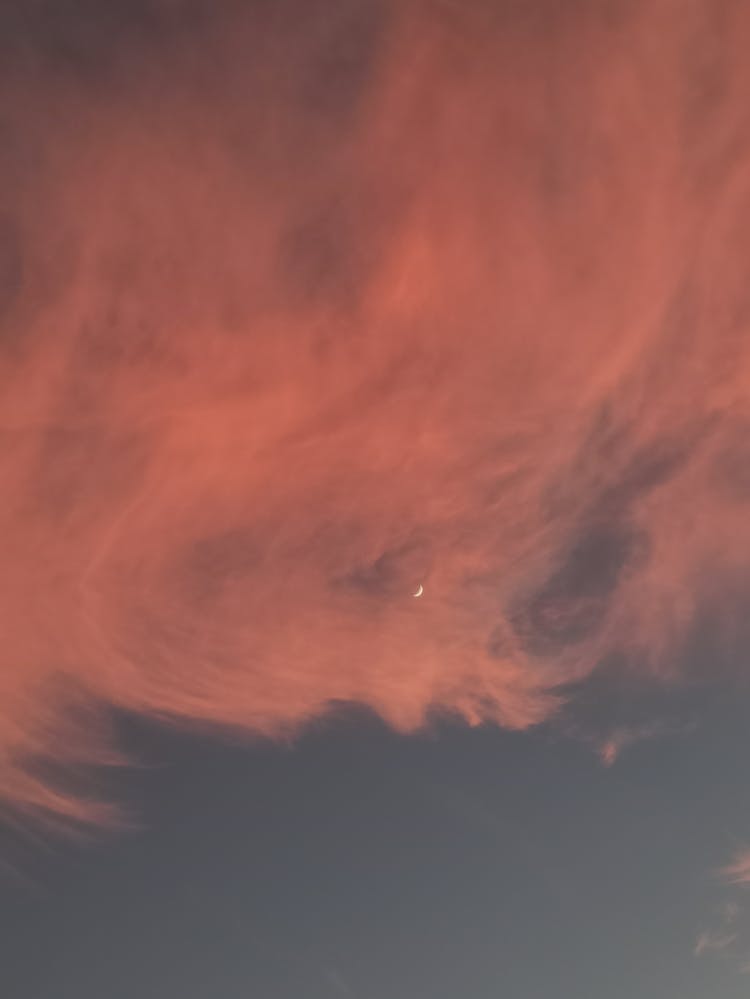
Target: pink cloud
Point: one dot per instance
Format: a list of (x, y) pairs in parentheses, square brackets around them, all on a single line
[(270, 362)]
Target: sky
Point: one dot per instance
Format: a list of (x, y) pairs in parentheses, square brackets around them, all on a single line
[(374, 411)]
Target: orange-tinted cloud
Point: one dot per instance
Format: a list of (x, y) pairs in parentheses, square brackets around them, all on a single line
[(305, 305)]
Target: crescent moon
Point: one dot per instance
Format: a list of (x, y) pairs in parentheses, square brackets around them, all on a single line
[(419, 591)]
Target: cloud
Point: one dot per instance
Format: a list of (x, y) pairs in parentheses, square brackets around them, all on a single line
[(304, 305), (711, 942), (725, 939), (622, 737), (612, 748), (738, 871)]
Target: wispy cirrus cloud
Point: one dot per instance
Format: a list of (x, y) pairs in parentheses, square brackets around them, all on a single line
[(738, 871), (711, 941), (305, 305), (622, 737), (726, 936)]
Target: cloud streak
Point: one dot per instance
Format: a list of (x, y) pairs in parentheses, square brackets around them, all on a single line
[(738, 871), (711, 942), (303, 306)]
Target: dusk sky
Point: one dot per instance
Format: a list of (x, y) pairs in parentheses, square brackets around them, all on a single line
[(374, 499)]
